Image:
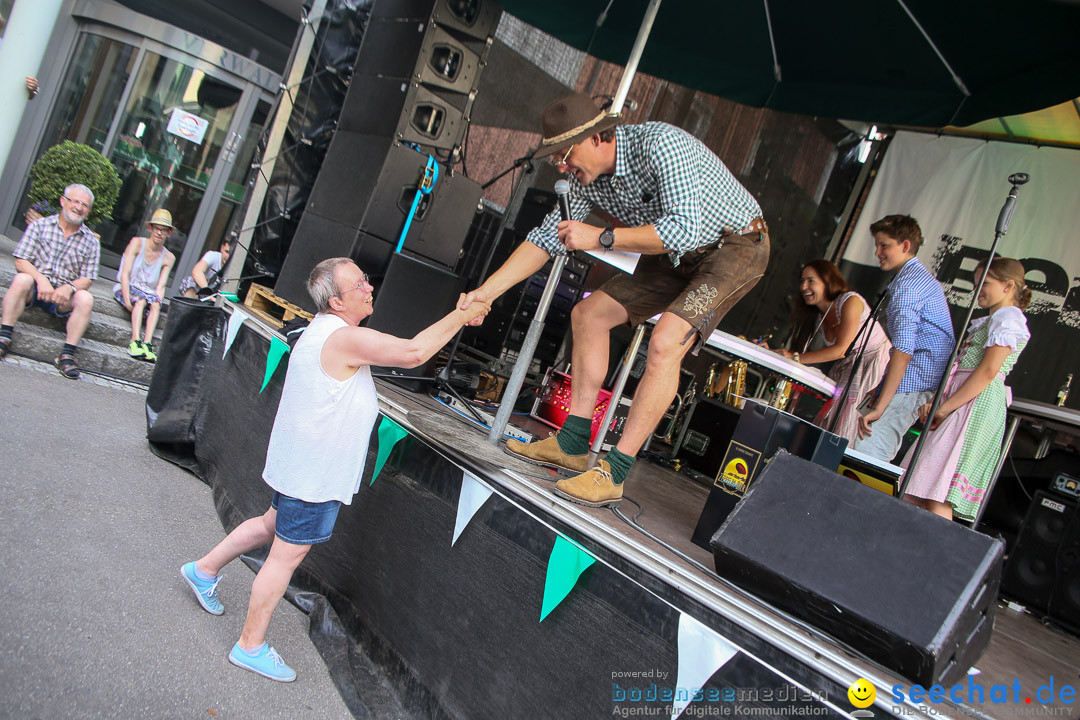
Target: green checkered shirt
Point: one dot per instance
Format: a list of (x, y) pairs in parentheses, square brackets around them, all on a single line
[(664, 177)]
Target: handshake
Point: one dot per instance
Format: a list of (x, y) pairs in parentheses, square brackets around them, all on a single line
[(474, 305)]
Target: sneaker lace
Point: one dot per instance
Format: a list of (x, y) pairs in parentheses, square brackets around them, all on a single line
[(275, 658), (210, 591)]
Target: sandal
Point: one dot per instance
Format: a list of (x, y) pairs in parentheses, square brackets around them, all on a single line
[(67, 365), (5, 345)]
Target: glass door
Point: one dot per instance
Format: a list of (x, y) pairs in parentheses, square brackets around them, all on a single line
[(165, 146)]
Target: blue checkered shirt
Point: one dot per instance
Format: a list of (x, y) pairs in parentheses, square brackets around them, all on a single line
[(664, 177), (919, 325), (60, 259)]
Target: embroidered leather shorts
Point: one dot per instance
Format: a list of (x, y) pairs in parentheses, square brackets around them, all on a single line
[(706, 283)]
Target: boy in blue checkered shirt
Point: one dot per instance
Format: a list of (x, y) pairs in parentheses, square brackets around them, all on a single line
[(921, 332)]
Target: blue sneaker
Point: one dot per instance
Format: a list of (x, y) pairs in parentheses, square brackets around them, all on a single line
[(266, 662), (205, 592)]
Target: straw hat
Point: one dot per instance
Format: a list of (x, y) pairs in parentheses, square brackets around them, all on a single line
[(161, 217), (571, 119)]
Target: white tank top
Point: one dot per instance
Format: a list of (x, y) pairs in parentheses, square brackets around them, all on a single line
[(320, 438)]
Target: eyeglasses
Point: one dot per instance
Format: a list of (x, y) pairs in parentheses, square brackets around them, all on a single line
[(366, 280), (77, 203), (557, 161), (160, 230)]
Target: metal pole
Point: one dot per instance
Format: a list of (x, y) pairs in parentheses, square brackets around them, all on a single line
[(308, 29), (528, 348), (620, 384), (635, 56)]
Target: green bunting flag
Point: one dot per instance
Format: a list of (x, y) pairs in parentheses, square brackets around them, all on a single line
[(231, 296), (277, 349), (565, 566), (389, 435)]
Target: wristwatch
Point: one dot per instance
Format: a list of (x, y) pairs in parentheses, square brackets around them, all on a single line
[(607, 237)]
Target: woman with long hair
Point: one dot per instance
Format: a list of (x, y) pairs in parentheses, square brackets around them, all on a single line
[(964, 443), (832, 309)]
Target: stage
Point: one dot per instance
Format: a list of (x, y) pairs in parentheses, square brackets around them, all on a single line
[(447, 604)]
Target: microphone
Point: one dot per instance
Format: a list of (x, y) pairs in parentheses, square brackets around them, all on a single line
[(1005, 216), (562, 189)]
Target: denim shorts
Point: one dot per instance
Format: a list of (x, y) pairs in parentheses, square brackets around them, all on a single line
[(303, 523), (49, 307)]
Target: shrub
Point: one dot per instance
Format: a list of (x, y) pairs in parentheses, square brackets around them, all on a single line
[(69, 163)]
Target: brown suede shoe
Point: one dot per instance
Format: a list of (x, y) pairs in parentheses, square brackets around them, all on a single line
[(594, 488), (547, 453)]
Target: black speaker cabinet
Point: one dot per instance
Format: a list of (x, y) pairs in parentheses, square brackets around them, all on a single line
[(908, 589), (760, 433), (473, 18), (412, 296), (705, 436), (403, 50), (357, 212), (1043, 571), (402, 110)]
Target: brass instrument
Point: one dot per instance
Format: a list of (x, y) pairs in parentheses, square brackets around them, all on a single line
[(736, 385), (781, 393)]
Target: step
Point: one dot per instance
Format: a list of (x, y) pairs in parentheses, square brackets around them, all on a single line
[(45, 344)]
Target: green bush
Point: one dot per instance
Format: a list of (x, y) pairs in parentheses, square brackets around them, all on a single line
[(69, 163)]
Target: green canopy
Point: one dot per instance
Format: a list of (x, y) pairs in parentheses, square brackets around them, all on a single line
[(927, 63)]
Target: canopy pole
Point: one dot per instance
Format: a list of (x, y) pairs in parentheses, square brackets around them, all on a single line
[(635, 57)]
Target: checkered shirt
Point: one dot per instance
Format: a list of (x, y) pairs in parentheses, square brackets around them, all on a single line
[(664, 177), (60, 259), (919, 325)]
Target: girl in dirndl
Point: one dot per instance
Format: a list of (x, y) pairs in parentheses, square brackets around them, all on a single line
[(964, 443)]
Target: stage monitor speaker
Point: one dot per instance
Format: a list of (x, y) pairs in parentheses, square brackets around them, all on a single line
[(908, 589), (1043, 571), (413, 295), (474, 18)]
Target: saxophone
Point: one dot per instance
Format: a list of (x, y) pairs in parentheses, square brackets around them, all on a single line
[(736, 387)]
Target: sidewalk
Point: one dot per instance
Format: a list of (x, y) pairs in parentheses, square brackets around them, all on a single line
[(94, 528)]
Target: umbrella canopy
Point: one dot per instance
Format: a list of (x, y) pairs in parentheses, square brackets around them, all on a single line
[(927, 63)]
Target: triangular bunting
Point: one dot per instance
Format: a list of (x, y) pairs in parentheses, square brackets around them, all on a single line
[(701, 653), (231, 296), (473, 495), (277, 349), (389, 435), (565, 565), (235, 321)]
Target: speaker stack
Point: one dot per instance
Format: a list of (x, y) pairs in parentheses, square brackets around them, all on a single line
[(407, 108), (1043, 570)]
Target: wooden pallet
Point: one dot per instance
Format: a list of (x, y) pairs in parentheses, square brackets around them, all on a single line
[(268, 307)]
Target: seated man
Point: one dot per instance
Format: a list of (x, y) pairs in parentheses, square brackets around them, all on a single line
[(143, 272), (55, 263), (206, 273)]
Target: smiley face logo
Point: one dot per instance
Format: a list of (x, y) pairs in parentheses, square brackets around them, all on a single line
[(862, 693)]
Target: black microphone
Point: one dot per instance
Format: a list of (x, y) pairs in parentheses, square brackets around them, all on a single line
[(562, 189), (1005, 216)]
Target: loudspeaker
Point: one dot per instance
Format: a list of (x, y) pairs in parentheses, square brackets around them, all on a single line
[(358, 214), (473, 18), (402, 110), (413, 295), (1043, 571), (910, 590), (405, 51), (761, 432), (704, 437)]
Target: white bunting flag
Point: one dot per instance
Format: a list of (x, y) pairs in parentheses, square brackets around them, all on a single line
[(473, 495), (701, 653), (235, 321)]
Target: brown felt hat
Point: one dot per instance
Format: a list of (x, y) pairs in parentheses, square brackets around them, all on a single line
[(571, 119)]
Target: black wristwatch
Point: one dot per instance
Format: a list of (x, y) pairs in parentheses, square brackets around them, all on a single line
[(607, 237)]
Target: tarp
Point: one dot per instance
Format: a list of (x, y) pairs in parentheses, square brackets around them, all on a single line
[(842, 58), (955, 188)]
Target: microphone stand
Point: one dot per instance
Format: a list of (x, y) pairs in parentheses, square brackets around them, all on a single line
[(870, 320), (1004, 217)]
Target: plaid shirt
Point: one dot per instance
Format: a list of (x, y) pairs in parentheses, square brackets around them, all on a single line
[(664, 177), (919, 325), (60, 259)]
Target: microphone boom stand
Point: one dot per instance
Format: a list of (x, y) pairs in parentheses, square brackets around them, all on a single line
[(1017, 179)]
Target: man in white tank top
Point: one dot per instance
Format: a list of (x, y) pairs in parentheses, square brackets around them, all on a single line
[(317, 448)]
